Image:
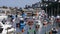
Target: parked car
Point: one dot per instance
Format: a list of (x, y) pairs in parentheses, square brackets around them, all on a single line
[(22, 24), (6, 28), (38, 24)]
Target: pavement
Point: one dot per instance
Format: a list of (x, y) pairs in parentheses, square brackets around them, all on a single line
[(42, 30)]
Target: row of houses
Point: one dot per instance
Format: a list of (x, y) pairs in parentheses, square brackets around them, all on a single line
[(6, 11), (29, 11)]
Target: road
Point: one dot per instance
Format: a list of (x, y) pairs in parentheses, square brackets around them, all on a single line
[(42, 30)]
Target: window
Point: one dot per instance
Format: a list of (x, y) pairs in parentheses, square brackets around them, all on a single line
[(49, 0), (45, 0), (29, 14), (8, 12), (53, 0), (1, 11), (21, 21), (59, 1), (18, 25)]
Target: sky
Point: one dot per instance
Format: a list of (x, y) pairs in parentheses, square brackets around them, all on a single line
[(17, 3)]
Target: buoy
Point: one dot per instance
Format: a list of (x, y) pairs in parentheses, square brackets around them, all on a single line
[(22, 30)]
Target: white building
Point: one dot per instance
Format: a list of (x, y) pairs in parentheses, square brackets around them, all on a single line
[(7, 11)]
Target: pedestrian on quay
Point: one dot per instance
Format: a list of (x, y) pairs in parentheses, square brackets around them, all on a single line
[(38, 27), (54, 31), (3, 21), (31, 31)]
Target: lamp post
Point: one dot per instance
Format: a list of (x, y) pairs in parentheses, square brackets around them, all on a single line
[(51, 11), (58, 6), (46, 8), (41, 5)]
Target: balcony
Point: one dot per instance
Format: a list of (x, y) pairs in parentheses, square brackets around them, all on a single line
[(50, 1)]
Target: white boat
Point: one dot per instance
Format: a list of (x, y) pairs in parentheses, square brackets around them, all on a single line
[(5, 27), (2, 17)]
